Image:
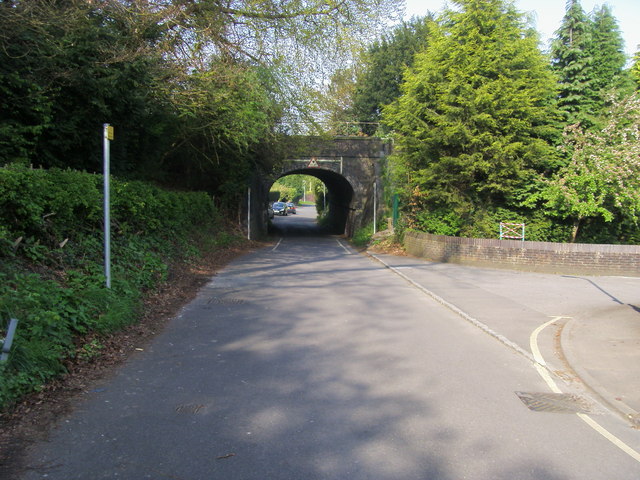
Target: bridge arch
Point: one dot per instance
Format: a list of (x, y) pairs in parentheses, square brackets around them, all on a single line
[(350, 167), (340, 196)]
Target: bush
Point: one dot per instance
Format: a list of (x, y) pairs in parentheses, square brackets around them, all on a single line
[(50, 317), (51, 261), (283, 193), (485, 223), (49, 205), (363, 236), (439, 222)]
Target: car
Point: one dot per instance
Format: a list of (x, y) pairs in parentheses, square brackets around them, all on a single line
[(280, 208), (291, 207), (269, 212)]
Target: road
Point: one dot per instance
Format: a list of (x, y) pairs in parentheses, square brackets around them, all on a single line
[(308, 360)]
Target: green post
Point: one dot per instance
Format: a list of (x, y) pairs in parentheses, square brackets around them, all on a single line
[(395, 210)]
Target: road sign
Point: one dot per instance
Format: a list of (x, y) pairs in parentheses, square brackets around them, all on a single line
[(313, 163), (108, 136)]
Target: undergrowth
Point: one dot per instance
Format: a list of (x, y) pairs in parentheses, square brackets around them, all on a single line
[(51, 262)]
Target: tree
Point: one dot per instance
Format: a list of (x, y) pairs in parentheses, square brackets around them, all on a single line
[(635, 70), (302, 42), (336, 103), (474, 121), (378, 84), (194, 88), (607, 52), (603, 177), (80, 68), (572, 59)]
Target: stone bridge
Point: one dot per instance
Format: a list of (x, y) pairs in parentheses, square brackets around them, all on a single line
[(348, 166)]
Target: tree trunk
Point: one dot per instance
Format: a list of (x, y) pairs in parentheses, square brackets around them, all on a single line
[(574, 231)]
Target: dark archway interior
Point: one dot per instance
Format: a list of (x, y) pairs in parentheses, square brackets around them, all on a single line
[(339, 195)]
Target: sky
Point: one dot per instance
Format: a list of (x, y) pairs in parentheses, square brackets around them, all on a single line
[(548, 16)]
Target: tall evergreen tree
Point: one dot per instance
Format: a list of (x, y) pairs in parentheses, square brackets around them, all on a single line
[(607, 52), (473, 122), (635, 70), (572, 60), (385, 62)]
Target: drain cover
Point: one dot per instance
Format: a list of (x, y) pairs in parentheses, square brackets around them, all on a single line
[(554, 402), (225, 301), (190, 408)]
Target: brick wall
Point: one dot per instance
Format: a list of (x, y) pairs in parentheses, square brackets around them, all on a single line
[(562, 258)]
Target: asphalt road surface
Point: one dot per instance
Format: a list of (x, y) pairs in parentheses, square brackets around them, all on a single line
[(307, 360)]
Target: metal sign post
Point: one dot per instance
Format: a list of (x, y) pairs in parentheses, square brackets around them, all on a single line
[(375, 207), (107, 137), (324, 197)]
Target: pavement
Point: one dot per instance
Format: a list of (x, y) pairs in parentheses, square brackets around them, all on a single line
[(592, 339)]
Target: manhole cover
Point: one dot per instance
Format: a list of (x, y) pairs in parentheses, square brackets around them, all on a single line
[(554, 402), (191, 409), (225, 301)]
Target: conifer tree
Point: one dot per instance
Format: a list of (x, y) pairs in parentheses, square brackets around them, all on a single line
[(572, 60), (607, 52), (473, 122), (635, 69), (379, 84)]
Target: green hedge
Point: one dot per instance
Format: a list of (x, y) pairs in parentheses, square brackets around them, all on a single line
[(51, 262), (485, 223)]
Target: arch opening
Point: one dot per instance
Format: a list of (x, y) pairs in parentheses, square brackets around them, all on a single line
[(339, 198)]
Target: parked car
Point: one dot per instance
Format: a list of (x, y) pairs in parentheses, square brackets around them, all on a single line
[(291, 207), (280, 208), (269, 212)]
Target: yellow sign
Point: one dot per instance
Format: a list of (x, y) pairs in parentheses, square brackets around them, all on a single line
[(109, 132)]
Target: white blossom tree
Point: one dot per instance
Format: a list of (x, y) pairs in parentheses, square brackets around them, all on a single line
[(602, 178)]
